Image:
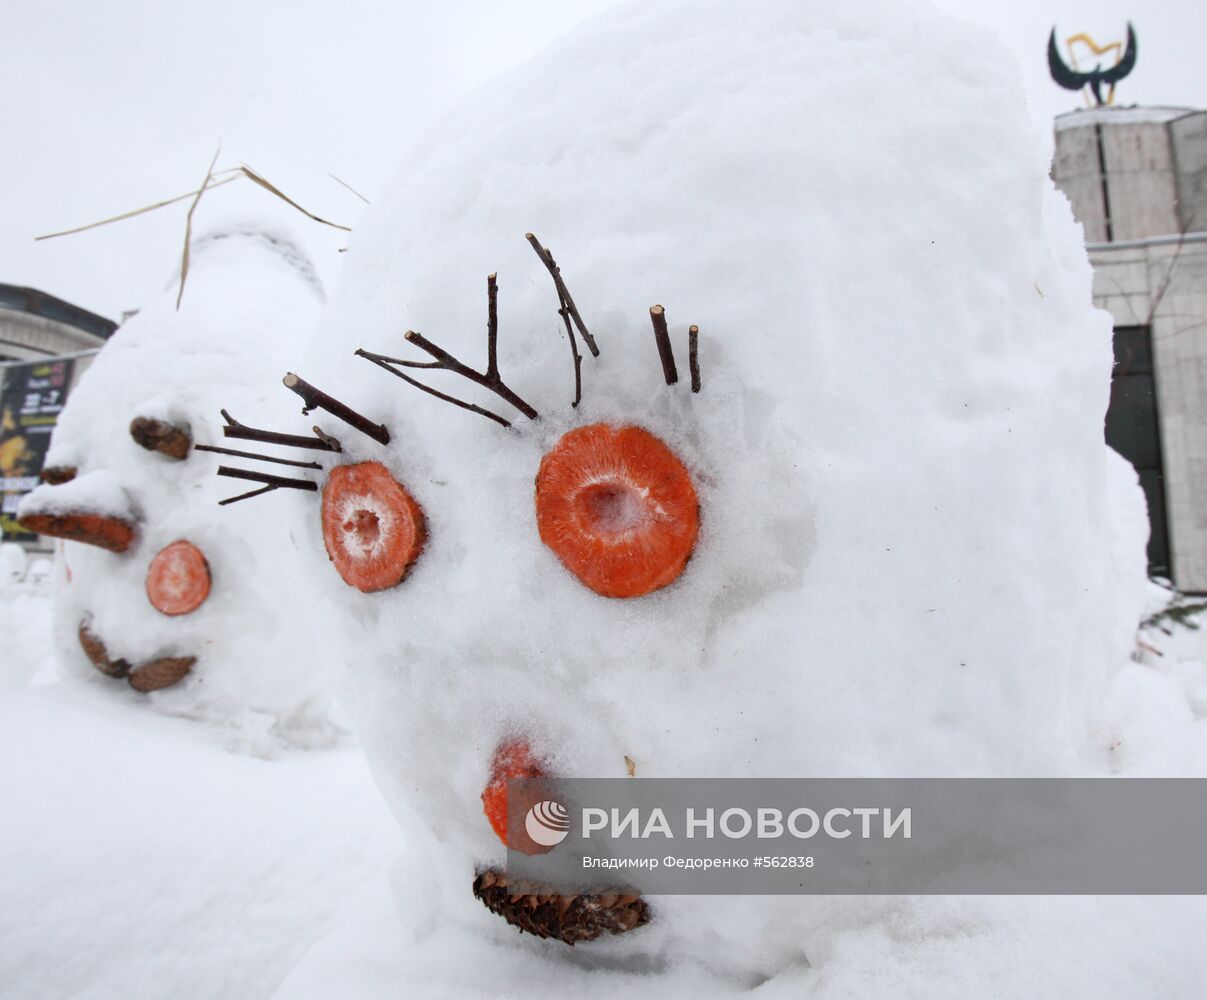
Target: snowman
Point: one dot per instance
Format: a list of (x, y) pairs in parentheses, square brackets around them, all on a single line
[(742, 403), (154, 590)]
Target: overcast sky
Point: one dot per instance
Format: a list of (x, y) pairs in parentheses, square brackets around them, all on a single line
[(109, 106)]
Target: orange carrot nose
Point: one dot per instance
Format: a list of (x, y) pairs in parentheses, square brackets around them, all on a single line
[(618, 508), (178, 579), (513, 759)]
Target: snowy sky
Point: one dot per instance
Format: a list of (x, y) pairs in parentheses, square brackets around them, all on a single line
[(112, 106)]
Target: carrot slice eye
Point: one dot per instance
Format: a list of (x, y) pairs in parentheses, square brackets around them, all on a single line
[(372, 527), (178, 579), (618, 508)]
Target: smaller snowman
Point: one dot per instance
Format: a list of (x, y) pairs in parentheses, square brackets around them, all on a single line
[(195, 611)]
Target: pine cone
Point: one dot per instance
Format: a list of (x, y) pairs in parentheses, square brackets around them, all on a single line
[(161, 673), (98, 655), (534, 908)]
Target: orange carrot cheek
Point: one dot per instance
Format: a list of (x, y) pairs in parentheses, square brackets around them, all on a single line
[(178, 579)]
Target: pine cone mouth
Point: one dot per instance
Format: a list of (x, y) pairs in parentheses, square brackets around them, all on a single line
[(541, 910)]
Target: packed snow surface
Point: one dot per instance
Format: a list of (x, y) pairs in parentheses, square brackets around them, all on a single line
[(906, 563), (96, 492), (261, 663)]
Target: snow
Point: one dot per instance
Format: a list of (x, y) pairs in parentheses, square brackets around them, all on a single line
[(262, 660), (917, 556), (907, 563), (96, 492), (141, 858)]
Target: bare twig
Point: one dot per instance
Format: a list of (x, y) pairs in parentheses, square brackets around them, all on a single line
[(246, 496), (663, 340), (349, 187), (188, 226), (270, 480), (564, 313), (258, 457), (270, 483), (326, 438), (693, 356), (269, 187), (316, 399), (234, 429), (489, 379), (266, 477), (563, 292), (383, 362), (142, 211)]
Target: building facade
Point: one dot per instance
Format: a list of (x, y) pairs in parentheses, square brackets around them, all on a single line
[(1137, 181), (45, 346)]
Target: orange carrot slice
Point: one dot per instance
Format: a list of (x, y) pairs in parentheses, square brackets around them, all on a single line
[(178, 579), (618, 508), (100, 530), (372, 527), (513, 759)]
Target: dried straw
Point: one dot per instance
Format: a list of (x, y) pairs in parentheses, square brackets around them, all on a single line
[(188, 227)]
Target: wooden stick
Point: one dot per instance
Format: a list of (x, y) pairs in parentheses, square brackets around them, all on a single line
[(270, 483), (449, 363), (663, 340), (316, 399), (492, 327), (247, 496), (256, 456), (383, 362), (488, 379), (234, 429), (564, 313), (563, 292), (264, 477), (693, 356)]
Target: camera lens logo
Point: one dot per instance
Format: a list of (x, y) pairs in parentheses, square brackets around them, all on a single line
[(547, 823)]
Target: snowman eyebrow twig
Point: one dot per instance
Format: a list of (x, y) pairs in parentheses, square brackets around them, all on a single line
[(567, 310), (316, 399), (320, 442), (271, 483), (489, 379), (666, 354), (662, 338)]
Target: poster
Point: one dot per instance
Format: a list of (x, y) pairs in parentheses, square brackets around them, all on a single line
[(31, 399)]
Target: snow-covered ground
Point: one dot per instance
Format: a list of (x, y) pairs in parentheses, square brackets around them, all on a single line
[(142, 858)]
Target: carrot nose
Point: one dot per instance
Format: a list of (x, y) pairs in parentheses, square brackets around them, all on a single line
[(513, 759)]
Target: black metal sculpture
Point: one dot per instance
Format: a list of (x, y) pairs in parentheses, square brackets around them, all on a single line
[(1072, 79)]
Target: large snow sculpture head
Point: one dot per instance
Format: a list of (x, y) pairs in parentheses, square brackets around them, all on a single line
[(173, 595), (896, 455)]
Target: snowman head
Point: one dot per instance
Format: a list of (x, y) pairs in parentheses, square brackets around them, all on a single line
[(155, 589), (868, 546)]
